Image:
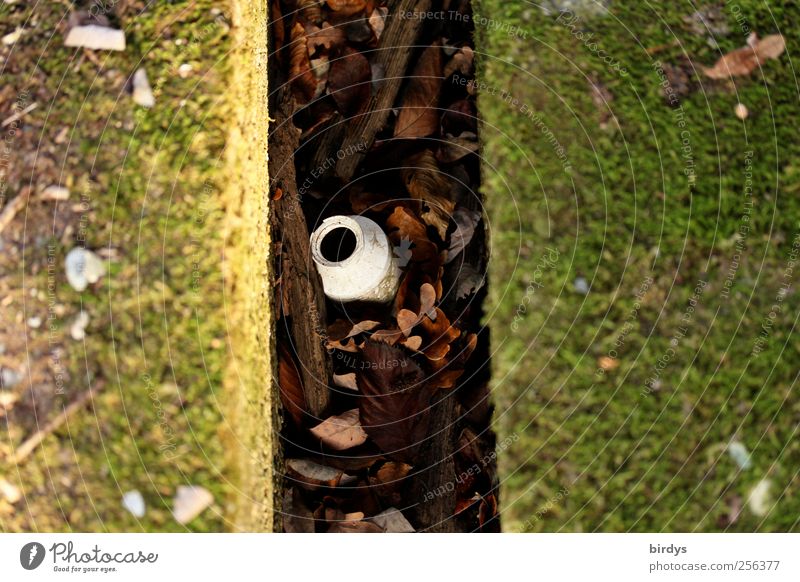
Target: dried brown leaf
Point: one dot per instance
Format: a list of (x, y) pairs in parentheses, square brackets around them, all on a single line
[(305, 84), (407, 319), (414, 343), (428, 184), (362, 326), (349, 82), (427, 300), (341, 432), (745, 60), (395, 407), (419, 115), (311, 475), (402, 224), (466, 222)]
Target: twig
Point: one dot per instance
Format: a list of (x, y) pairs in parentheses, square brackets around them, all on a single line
[(18, 115), (30, 444), (14, 206)]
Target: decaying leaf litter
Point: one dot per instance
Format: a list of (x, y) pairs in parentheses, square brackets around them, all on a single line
[(390, 432)]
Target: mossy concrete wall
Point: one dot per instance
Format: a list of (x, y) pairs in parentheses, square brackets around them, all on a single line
[(250, 301)]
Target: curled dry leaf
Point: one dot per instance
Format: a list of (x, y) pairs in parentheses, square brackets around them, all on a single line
[(349, 82), (403, 225), (466, 222), (346, 7), (744, 60), (306, 85), (311, 475), (310, 10), (440, 335), (395, 408), (470, 281), (341, 432), (419, 115), (428, 184)]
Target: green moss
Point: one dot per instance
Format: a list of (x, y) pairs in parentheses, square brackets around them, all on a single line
[(624, 214), (157, 339)]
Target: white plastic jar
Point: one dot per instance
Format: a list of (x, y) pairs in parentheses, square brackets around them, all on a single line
[(355, 260)]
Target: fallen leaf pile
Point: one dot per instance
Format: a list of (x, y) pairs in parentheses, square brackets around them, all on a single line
[(324, 46), (358, 467)]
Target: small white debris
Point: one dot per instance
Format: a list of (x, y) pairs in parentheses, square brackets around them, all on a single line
[(739, 454), (392, 521), (35, 322), (9, 378), (134, 502), (12, 37), (8, 399), (96, 37), (189, 502), (78, 328), (83, 268), (759, 499), (142, 93), (741, 111), (55, 192), (10, 492), (581, 285), (185, 70)]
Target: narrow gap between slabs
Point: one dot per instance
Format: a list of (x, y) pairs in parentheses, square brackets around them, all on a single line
[(383, 361)]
